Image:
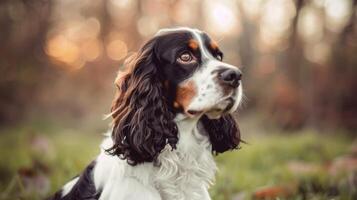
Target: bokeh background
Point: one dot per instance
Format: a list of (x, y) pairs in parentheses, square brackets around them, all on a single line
[(59, 58)]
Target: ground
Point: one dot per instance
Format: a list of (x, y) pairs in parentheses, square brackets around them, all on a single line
[(37, 160)]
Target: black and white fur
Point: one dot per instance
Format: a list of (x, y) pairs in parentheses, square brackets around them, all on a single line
[(171, 115)]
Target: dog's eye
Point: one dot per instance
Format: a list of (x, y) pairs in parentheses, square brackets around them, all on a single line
[(186, 58)]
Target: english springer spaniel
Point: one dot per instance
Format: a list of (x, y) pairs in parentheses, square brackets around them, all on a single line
[(171, 114)]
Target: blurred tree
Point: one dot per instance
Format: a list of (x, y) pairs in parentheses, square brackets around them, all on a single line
[(24, 25), (298, 56)]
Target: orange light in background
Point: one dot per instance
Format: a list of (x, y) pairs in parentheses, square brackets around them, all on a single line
[(79, 29), (90, 28), (75, 42), (337, 13), (222, 17), (183, 12), (91, 50), (62, 49), (147, 26), (116, 49), (117, 35)]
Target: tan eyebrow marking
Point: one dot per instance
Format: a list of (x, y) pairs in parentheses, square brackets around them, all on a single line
[(193, 44), (213, 45)]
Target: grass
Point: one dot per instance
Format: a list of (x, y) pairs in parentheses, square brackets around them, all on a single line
[(265, 163), (56, 156), (49, 156)]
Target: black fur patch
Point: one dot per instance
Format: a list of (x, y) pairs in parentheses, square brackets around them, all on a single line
[(83, 189), (223, 133)]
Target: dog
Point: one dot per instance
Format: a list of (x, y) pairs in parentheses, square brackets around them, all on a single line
[(171, 115)]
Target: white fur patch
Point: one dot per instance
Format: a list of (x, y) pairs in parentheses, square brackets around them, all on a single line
[(187, 172), (68, 186), (183, 174)]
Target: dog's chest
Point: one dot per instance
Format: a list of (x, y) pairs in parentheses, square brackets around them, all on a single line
[(185, 175)]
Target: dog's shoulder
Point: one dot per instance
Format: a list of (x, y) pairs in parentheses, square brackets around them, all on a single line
[(80, 187)]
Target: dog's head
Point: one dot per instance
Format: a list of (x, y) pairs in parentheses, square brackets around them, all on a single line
[(179, 71)]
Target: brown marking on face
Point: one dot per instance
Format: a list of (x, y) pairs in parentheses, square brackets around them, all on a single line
[(176, 105), (185, 93), (213, 45), (193, 44)]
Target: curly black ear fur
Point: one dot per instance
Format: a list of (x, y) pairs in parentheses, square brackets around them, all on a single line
[(143, 121), (224, 133)]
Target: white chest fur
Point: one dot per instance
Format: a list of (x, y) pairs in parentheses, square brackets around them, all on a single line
[(186, 173), (182, 174)]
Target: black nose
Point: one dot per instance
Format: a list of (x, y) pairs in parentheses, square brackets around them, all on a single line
[(230, 77)]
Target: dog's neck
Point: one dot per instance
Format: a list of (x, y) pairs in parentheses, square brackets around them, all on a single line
[(192, 138), (190, 168), (189, 134)]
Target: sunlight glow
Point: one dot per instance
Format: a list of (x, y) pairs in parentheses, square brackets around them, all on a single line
[(310, 25), (117, 49), (252, 8), (277, 15), (337, 13), (184, 12), (121, 3), (275, 22), (121, 11), (147, 26), (222, 17), (75, 42), (62, 49), (317, 53), (91, 50)]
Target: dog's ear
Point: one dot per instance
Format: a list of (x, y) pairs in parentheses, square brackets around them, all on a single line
[(143, 122), (224, 133)]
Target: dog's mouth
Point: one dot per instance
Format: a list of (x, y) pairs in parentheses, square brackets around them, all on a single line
[(223, 106), (193, 113)]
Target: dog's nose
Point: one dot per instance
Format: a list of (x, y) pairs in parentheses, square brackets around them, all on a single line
[(230, 77)]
